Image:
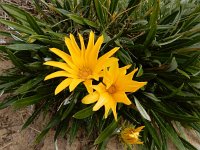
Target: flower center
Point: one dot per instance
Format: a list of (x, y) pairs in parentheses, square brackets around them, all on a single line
[(84, 73), (112, 89)]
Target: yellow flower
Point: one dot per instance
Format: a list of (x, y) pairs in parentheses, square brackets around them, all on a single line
[(113, 89), (130, 135), (82, 65)]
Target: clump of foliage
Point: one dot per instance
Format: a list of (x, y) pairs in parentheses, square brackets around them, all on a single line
[(160, 37)]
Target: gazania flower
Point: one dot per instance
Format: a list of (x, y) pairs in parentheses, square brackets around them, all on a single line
[(113, 89), (130, 135), (82, 65)]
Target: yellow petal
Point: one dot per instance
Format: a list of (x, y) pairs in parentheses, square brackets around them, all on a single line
[(121, 97), (105, 61), (99, 88), (60, 65), (91, 41), (64, 84), (82, 42), (131, 74), (88, 85), (107, 78), (63, 55), (133, 86), (109, 54), (113, 107), (123, 70), (139, 129), (103, 99), (139, 142), (107, 108), (75, 54), (93, 54), (89, 46), (70, 47), (82, 47), (57, 74), (74, 84), (113, 71), (90, 98), (74, 44)]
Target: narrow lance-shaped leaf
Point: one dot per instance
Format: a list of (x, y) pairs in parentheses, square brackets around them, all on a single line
[(113, 5), (29, 85), (26, 101), (153, 132), (151, 96), (17, 26), (54, 121), (22, 47), (34, 24), (173, 65), (153, 24), (73, 130), (141, 110), (99, 12), (132, 5), (14, 12), (10, 84), (84, 113), (31, 118), (106, 132), (169, 131), (16, 61)]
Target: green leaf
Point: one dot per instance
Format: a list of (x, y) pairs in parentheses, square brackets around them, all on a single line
[(31, 118), (16, 61), (68, 110), (72, 98), (33, 24), (140, 71), (169, 131), (99, 11), (54, 121), (132, 5), (84, 113), (188, 145), (183, 73), (153, 132), (171, 87), (20, 47), (8, 102), (153, 24), (186, 98), (14, 11), (4, 33), (78, 19), (173, 65), (29, 85), (141, 110), (11, 84), (113, 5), (48, 40), (124, 57), (151, 96), (73, 131), (28, 101), (106, 132), (17, 26), (62, 129)]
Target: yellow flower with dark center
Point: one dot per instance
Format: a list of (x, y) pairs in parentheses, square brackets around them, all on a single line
[(113, 89), (82, 65), (130, 135)]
